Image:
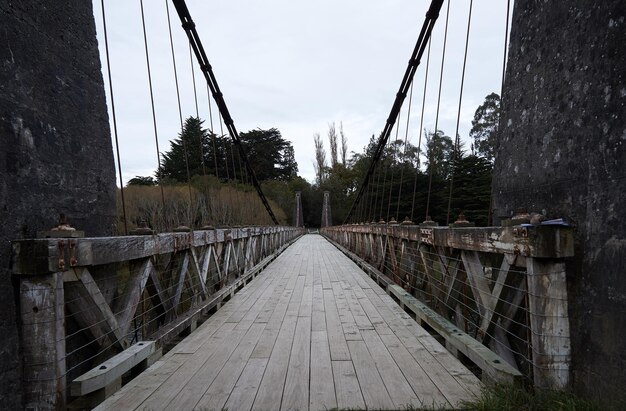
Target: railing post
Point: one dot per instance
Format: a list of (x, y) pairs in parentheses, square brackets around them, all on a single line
[(42, 309), (547, 304)]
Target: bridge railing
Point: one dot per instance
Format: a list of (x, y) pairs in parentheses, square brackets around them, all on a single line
[(505, 287), (84, 300)]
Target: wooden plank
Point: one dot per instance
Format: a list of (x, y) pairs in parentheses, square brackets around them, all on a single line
[(112, 369), (347, 387), (242, 396), (179, 282), (98, 306), (193, 389), (428, 353), (132, 395), (271, 389), (43, 331), (372, 386), (318, 316), (265, 345), (361, 319), (338, 347), (194, 376), (218, 392), (547, 306), (126, 306), (296, 391), (306, 303), (535, 241), (397, 386), (427, 392), (488, 361), (322, 386)]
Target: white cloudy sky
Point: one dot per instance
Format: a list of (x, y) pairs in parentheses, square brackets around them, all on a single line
[(296, 66)]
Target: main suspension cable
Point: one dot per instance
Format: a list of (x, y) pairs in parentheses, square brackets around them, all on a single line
[(431, 17), (207, 70), (443, 59)]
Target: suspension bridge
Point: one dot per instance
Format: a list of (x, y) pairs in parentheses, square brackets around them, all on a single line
[(372, 313)]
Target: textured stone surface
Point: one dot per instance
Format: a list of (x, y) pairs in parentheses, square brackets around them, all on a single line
[(55, 146), (562, 151)]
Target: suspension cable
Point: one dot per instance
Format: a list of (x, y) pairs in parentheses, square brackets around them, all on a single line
[(117, 145), (419, 140), (180, 113), (154, 121), (195, 97), (406, 138), (431, 17), (457, 144), (213, 137), (391, 166), (207, 70), (443, 58), (504, 54)]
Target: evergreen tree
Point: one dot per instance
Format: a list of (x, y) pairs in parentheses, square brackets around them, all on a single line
[(485, 126), (190, 149)]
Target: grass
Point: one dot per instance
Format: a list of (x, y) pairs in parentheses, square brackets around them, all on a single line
[(514, 397), (517, 398)]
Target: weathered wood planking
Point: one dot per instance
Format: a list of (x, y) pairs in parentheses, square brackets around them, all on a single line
[(296, 356), (38, 256), (532, 241)]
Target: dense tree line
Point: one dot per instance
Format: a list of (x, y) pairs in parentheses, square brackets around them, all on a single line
[(408, 180)]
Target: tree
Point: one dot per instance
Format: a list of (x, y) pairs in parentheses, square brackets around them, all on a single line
[(485, 126), (186, 151), (270, 155), (320, 158), (332, 142), (472, 189), (344, 145), (141, 181), (439, 154)]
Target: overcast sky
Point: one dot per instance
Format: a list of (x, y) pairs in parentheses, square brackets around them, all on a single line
[(296, 66)]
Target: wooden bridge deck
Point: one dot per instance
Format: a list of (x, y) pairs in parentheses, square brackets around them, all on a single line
[(312, 331)]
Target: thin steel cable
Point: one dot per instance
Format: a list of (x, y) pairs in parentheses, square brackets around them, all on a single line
[(406, 137), (419, 140), (195, 97), (117, 145), (224, 146), (382, 199), (443, 58), (504, 55), (393, 158), (371, 208), (193, 80), (180, 115), (154, 122), (213, 137), (457, 147)]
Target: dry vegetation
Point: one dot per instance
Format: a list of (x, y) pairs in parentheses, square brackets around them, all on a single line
[(212, 203)]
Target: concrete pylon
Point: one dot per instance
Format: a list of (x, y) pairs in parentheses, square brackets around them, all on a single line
[(327, 220), (298, 219)]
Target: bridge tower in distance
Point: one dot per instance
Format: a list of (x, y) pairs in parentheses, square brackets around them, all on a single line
[(298, 219), (327, 220)]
